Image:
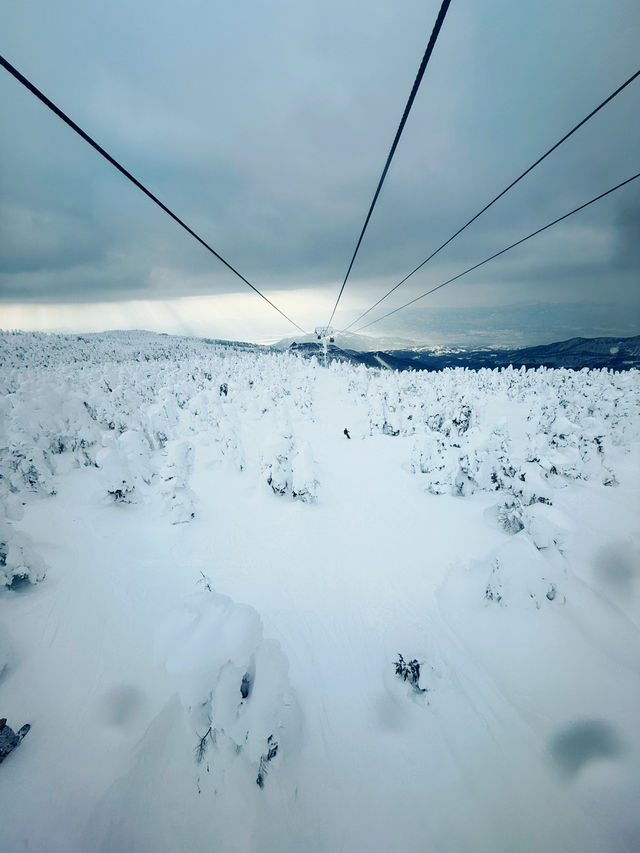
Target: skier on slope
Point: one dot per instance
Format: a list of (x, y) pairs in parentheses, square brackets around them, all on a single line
[(346, 432), (10, 739)]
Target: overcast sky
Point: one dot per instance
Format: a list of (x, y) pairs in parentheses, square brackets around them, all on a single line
[(266, 125)]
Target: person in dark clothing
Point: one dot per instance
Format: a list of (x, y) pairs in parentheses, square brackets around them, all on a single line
[(346, 432), (10, 739)]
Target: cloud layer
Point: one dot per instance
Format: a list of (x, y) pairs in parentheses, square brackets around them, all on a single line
[(266, 126)]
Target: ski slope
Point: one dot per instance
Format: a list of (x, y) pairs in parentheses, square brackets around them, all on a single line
[(205, 586)]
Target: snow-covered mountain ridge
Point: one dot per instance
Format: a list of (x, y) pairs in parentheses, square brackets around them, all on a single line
[(206, 587), (576, 353)]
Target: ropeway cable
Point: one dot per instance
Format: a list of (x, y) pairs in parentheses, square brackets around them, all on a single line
[(502, 251), (65, 118), (499, 196), (425, 59)]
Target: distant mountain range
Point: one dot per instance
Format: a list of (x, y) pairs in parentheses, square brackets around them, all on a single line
[(576, 353)]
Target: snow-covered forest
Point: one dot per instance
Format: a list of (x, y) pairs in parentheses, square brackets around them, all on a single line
[(234, 627)]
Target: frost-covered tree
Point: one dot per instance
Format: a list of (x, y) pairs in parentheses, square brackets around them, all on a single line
[(19, 562)]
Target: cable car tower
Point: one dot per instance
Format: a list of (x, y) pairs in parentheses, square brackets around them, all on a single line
[(325, 335)]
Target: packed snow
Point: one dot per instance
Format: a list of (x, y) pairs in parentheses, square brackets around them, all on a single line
[(233, 628)]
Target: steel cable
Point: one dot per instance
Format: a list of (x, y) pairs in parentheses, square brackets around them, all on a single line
[(65, 118), (416, 84), (501, 252), (499, 196)]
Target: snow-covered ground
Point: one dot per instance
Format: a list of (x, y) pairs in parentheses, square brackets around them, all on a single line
[(206, 587)]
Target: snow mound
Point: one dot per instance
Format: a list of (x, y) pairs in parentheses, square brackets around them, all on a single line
[(232, 681), (291, 470), (19, 563)]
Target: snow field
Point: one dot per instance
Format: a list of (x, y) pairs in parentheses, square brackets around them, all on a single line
[(193, 576)]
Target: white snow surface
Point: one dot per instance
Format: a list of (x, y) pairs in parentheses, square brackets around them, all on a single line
[(205, 585)]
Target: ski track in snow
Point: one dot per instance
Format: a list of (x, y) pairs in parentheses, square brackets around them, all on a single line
[(461, 503)]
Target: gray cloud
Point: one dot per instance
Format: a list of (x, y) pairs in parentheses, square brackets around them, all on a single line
[(523, 324), (628, 233), (266, 127)]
